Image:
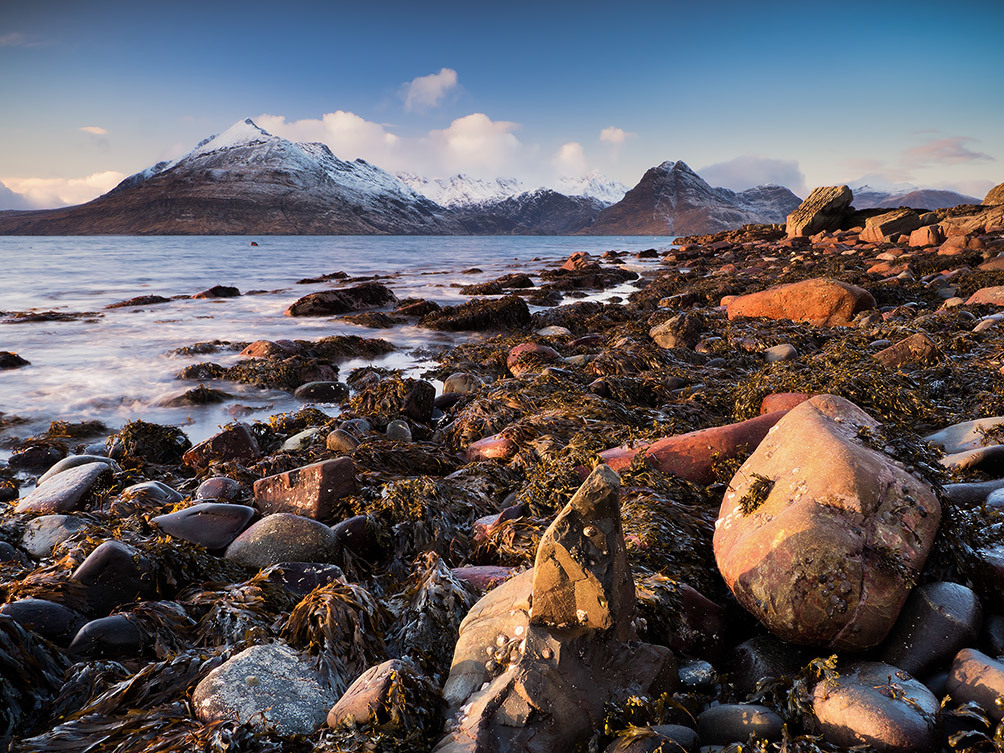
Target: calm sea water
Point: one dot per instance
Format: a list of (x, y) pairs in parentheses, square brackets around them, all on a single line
[(117, 364)]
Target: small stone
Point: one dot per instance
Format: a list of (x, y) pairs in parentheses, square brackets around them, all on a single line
[(763, 658), (322, 392), (42, 534), (974, 676), (462, 383), (967, 435), (528, 359), (114, 574), (9, 360), (341, 441), (359, 535), (235, 443), (283, 537), (114, 637), (301, 578), (218, 291), (735, 722), (398, 431), (783, 352), (221, 489), (154, 492), (680, 331)]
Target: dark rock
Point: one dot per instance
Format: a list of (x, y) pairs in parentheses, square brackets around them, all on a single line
[(680, 331), (236, 443), (73, 461), (358, 535), (330, 302), (52, 621), (153, 492), (937, 621), (447, 400), (114, 637), (36, 458), (763, 658), (301, 578), (218, 291), (341, 441), (791, 538), (284, 538), (735, 722), (9, 360), (646, 740), (482, 314), (322, 392), (416, 307), (114, 574), (878, 706), (221, 489), (209, 524), (462, 383), (66, 491), (148, 442), (42, 534), (974, 676), (515, 280), (915, 349), (140, 300), (200, 395), (311, 491), (267, 686)]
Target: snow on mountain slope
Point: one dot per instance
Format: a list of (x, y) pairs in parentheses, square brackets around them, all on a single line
[(462, 190), (595, 185)]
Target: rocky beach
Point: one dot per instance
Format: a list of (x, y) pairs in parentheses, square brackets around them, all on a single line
[(753, 501)]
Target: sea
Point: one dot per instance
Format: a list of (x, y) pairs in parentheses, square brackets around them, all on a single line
[(116, 365)]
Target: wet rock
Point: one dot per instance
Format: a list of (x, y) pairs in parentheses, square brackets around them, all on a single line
[(9, 360), (114, 574), (140, 300), (649, 740), (221, 489), (209, 524), (301, 578), (235, 443), (218, 291), (680, 331), (986, 459), (824, 209), (358, 535), (200, 395), (697, 675), (782, 352), (785, 401), (419, 401), (52, 621), (377, 694), (937, 621), (398, 431), (283, 537), (913, 350), (701, 626), (266, 686), (311, 491), (527, 359), (819, 302), (10, 553), (153, 492), (114, 637), (462, 383), (66, 491), (819, 533), (692, 455), (42, 534), (878, 706), (330, 302), (36, 458), (975, 677), (495, 447), (581, 576), (763, 658), (482, 314), (483, 577), (893, 223), (967, 435), (735, 722), (992, 296), (341, 441), (279, 349), (322, 392), (301, 440)]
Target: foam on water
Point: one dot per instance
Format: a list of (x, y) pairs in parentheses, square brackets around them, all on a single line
[(118, 365)]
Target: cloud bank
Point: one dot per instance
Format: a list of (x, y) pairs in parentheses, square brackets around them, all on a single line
[(42, 193), (751, 170)]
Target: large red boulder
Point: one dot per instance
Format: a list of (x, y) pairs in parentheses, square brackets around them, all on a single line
[(820, 535), (819, 302)]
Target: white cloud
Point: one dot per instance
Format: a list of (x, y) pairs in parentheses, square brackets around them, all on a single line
[(347, 135), (474, 143), (426, 92), (750, 170), (96, 130), (613, 135), (44, 193), (11, 200), (570, 160)]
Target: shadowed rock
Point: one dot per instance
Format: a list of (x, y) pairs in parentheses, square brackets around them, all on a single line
[(823, 209)]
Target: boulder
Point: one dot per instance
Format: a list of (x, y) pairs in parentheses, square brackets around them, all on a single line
[(824, 209), (221, 489), (820, 302), (544, 688), (995, 196), (926, 236), (311, 491), (462, 383), (114, 637), (50, 620), (680, 331), (218, 291), (114, 573), (938, 620), (879, 706), (10, 360), (213, 525), (914, 350), (235, 443), (66, 491), (368, 295), (893, 223), (378, 694), (265, 686), (762, 658), (506, 313), (819, 533), (283, 537), (322, 392)]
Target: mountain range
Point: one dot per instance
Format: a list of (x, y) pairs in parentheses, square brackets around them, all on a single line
[(246, 181)]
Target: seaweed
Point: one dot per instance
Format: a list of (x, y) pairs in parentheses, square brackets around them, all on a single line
[(139, 441), (31, 672), (756, 494)]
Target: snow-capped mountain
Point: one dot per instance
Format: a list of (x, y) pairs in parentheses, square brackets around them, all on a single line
[(671, 199), (542, 211), (463, 190), (248, 181), (594, 185), (873, 192)]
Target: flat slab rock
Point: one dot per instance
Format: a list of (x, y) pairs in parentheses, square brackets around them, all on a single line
[(265, 686), (818, 531)]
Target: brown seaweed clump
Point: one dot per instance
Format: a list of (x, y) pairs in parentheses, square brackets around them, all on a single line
[(146, 442)]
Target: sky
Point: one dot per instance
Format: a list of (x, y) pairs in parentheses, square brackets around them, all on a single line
[(798, 93)]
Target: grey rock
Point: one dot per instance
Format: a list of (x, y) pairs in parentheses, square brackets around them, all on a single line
[(341, 441), (680, 331), (284, 537), (114, 637), (66, 491), (782, 352), (72, 462), (153, 492), (42, 534), (399, 430), (322, 392), (266, 686), (52, 621), (967, 435), (462, 383)]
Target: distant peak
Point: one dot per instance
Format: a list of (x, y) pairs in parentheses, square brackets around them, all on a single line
[(678, 166)]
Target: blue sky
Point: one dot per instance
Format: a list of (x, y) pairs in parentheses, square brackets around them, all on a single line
[(800, 93)]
